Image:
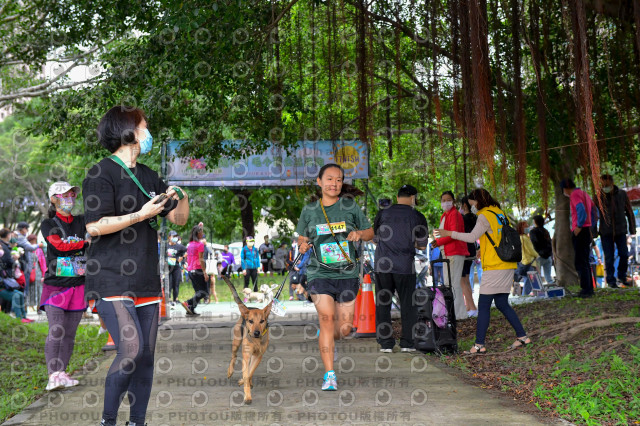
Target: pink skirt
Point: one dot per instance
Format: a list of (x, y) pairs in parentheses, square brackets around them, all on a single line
[(67, 298)]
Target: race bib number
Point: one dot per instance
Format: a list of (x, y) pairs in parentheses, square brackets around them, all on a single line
[(278, 308), (74, 266), (337, 227), (331, 253)]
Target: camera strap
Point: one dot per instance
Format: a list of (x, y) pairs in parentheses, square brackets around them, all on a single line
[(346, 256)]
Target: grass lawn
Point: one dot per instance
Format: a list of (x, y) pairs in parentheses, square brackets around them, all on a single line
[(23, 372), (223, 292), (582, 366)]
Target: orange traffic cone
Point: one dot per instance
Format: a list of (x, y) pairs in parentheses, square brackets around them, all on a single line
[(356, 313), (163, 308), (110, 346), (367, 318)]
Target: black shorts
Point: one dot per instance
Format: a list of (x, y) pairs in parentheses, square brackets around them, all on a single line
[(342, 290), (466, 268)]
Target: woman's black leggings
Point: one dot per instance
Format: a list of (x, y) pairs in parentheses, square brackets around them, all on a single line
[(134, 331), (200, 288), (175, 278)]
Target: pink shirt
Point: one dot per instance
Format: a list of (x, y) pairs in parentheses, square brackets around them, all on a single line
[(193, 255), (580, 206)]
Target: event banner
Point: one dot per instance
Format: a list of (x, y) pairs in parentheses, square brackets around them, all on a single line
[(274, 167)]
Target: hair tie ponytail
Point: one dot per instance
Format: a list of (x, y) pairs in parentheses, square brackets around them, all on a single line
[(52, 211)]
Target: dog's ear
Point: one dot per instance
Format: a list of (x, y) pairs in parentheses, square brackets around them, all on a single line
[(267, 309), (244, 311)]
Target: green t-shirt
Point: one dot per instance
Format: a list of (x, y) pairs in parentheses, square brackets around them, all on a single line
[(345, 216)]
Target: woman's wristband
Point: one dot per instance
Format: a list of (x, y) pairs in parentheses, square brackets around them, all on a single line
[(179, 192)]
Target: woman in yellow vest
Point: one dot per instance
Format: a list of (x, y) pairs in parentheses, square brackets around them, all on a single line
[(497, 277)]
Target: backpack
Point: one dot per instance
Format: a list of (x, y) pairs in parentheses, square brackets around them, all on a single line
[(510, 248), (439, 312)]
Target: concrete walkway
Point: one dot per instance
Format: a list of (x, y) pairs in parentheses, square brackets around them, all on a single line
[(191, 388)]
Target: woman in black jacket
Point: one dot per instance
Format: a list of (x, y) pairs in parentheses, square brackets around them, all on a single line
[(122, 199), (63, 288)]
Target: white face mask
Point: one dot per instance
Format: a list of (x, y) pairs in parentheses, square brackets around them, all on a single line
[(446, 205), (474, 210), (607, 189)]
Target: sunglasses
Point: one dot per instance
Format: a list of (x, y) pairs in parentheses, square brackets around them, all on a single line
[(71, 194)]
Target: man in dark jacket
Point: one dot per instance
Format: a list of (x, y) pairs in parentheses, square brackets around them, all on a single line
[(541, 241), (615, 211), (399, 229)]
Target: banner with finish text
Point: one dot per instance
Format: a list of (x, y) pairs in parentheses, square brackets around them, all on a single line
[(274, 167)]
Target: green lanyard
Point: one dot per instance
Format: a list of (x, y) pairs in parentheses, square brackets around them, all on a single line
[(153, 222), (118, 161)]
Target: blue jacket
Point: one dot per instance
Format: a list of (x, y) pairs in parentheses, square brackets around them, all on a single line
[(304, 262), (250, 258)]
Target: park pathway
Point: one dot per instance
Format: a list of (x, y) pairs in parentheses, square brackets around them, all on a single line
[(191, 388)]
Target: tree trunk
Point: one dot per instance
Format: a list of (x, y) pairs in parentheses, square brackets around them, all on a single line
[(540, 103), (586, 131), (246, 212), (361, 63), (501, 133), (562, 244), (636, 20), (484, 118), (467, 85), (521, 143)]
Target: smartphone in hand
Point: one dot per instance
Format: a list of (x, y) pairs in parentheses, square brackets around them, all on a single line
[(160, 198)]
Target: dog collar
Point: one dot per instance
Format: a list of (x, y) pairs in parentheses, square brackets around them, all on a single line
[(244, 324)]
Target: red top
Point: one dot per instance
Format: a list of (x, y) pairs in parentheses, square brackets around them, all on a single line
[(453, 222), (57, 242)]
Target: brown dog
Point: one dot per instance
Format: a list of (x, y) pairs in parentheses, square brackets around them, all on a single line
[(252, 332)]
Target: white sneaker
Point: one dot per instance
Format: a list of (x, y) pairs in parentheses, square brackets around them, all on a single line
[(102, 331), (408, 350), (386, 351), (330, 383), (54, 382), (472, 314), (69, 381)]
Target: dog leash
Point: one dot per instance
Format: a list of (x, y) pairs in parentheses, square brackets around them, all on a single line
[(295, 261)]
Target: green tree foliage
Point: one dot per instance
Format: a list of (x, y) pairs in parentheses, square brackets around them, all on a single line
[(395, 75)]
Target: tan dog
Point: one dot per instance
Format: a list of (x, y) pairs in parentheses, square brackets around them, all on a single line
[(252, 333)]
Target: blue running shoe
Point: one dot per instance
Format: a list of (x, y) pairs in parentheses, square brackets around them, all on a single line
[(330, 382)]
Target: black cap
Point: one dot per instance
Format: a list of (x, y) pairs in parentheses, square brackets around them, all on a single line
[(22, 225), (567, 184), (407, 191)]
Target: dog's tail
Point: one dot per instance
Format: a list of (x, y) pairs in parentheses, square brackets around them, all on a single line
[(233, 290)]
